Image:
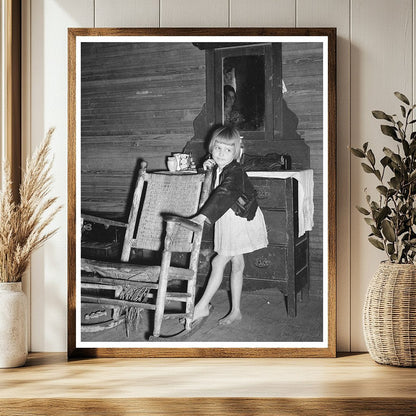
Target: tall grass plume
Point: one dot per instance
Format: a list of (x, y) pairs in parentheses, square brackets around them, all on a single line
[(24, 225)]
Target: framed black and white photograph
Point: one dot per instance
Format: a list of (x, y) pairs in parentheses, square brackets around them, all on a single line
[(201, 192)]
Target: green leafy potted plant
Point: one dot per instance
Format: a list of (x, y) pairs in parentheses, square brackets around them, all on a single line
[(23, 229), (390, 308)]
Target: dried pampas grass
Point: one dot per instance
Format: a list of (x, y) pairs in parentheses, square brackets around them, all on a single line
[(24, 224)]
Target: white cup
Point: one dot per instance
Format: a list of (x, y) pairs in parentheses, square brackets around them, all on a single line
[(172, 164)]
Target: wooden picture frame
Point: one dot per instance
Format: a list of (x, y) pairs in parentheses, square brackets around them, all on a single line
[(294, 81)]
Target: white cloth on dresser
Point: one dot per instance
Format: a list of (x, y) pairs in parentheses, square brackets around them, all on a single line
[(305, 194)]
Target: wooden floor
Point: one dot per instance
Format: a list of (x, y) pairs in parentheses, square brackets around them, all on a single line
[(350, 384), (264, 320)]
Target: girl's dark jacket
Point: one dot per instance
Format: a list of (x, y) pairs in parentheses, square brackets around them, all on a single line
[(233, 183)]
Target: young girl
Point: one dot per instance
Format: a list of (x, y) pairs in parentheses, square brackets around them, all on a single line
[(234, 235)]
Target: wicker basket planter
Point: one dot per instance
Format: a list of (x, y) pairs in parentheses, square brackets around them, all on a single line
[(390, 315)]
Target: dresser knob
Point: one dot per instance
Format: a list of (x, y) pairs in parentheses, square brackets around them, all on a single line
[(262, 262)]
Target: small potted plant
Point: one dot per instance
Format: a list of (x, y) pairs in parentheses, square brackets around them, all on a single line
[(23, 229), (390, 306)]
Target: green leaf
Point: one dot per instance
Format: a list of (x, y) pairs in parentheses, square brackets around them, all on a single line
[(390, 248), (357, 152), (365, 145), (376, 243), (367, 169), (393, 156), (400, 125), (412, 176), (376, 231), (388, 230), (378, 174), (382, 189), (385, 161), (401, 233), (370, 157), (406, 147), (402, 97), (370, 221), (388, 152), (403, 111), (389, 131), (413, 148), (362, 210), (381, 115), (397, 159), (382, 214), (374, 205), (394, 183), (405, 237)]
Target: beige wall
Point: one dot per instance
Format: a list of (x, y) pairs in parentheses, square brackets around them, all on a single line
[(375, 58)]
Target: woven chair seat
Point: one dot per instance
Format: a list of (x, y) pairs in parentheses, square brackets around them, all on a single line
[(133, 272)]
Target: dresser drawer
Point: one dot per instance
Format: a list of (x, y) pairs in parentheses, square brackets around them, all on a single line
[(266, 263), (270, 192), (276, 225)]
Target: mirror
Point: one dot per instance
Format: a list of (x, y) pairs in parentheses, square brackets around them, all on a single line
[(243, 92)]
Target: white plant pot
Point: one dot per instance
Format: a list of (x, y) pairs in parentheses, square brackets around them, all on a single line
[(13, 325)]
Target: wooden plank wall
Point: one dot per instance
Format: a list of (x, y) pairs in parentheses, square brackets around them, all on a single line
[(138, 103), (302, 75)]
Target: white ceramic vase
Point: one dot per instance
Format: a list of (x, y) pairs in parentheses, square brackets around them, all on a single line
[(13, 325)]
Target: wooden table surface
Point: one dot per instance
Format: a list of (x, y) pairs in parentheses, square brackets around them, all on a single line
[(349, 384)]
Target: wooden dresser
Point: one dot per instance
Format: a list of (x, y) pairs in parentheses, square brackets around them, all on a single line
[(285, 262)]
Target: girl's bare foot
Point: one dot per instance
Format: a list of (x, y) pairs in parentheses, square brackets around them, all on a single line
[(200, 312), (230, 318)]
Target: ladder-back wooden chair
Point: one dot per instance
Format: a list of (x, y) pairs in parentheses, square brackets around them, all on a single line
[(156, 222)]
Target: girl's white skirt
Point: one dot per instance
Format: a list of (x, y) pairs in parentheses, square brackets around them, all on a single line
[(235, 235)]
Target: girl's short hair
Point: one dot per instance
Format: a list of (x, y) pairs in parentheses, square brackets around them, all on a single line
[(227, 135)]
